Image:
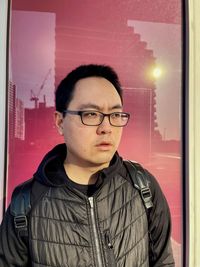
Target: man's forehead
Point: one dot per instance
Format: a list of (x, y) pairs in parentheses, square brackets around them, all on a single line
[(93, 81), (91, 105), (97, 93)]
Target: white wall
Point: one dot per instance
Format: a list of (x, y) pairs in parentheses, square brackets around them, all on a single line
[(3, 33), (194, 133)]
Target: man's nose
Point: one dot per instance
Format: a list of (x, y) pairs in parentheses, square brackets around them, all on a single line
[(105, 126)]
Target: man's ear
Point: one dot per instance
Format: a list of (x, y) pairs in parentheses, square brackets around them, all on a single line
[(58, 117)]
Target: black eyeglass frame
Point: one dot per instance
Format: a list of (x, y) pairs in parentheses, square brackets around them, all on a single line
[(80, 113)]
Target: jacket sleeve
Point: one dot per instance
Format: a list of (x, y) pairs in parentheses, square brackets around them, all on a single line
[(13, 251), (160, 250)]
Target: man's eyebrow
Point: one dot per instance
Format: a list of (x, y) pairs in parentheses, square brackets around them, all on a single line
[(88, 106), (118, 106), (94, 106)]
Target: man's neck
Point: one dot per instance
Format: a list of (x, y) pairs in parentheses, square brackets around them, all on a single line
[(82, 175)]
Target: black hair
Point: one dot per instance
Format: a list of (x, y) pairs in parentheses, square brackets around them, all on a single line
[(65, 89)]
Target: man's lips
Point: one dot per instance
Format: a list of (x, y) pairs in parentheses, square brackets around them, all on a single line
[(104, 144)]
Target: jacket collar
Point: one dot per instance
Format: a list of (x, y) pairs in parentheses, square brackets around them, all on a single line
[(51, 171)]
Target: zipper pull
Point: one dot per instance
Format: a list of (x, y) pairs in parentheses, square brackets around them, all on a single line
[(91, 201), (108, 240)]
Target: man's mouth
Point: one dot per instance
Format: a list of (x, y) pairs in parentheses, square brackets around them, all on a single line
[(104, 145)]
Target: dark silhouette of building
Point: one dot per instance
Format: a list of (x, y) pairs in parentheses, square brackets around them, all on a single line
[(11, 110), (19, 120), (40, 131)]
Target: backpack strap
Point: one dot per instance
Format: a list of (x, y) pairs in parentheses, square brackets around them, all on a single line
[(20, 206), (140, 181)]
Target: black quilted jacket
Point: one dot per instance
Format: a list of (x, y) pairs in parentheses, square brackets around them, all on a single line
[(68, 229)]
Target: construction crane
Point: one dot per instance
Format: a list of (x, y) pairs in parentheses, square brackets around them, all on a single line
[(35, 97)]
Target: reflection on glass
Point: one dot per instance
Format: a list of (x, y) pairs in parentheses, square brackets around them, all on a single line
[(143, 44)]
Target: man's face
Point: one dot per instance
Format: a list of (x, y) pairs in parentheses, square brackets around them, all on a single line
[(91, 146)]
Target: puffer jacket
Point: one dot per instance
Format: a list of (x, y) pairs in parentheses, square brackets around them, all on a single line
[(68, 229)]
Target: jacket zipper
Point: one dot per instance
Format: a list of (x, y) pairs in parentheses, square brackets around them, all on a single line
[(96, 238)]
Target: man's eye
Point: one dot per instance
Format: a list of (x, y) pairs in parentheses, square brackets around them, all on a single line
[(116, 115), (90, 114)]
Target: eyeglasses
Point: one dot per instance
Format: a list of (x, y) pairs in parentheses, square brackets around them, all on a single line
[(95, 118)]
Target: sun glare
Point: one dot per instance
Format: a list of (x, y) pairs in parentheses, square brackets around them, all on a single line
[(157, 72)]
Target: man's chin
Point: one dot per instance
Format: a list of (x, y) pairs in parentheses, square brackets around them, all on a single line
[(103, 160)]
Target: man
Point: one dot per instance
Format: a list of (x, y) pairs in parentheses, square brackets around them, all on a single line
[(89, 214)]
